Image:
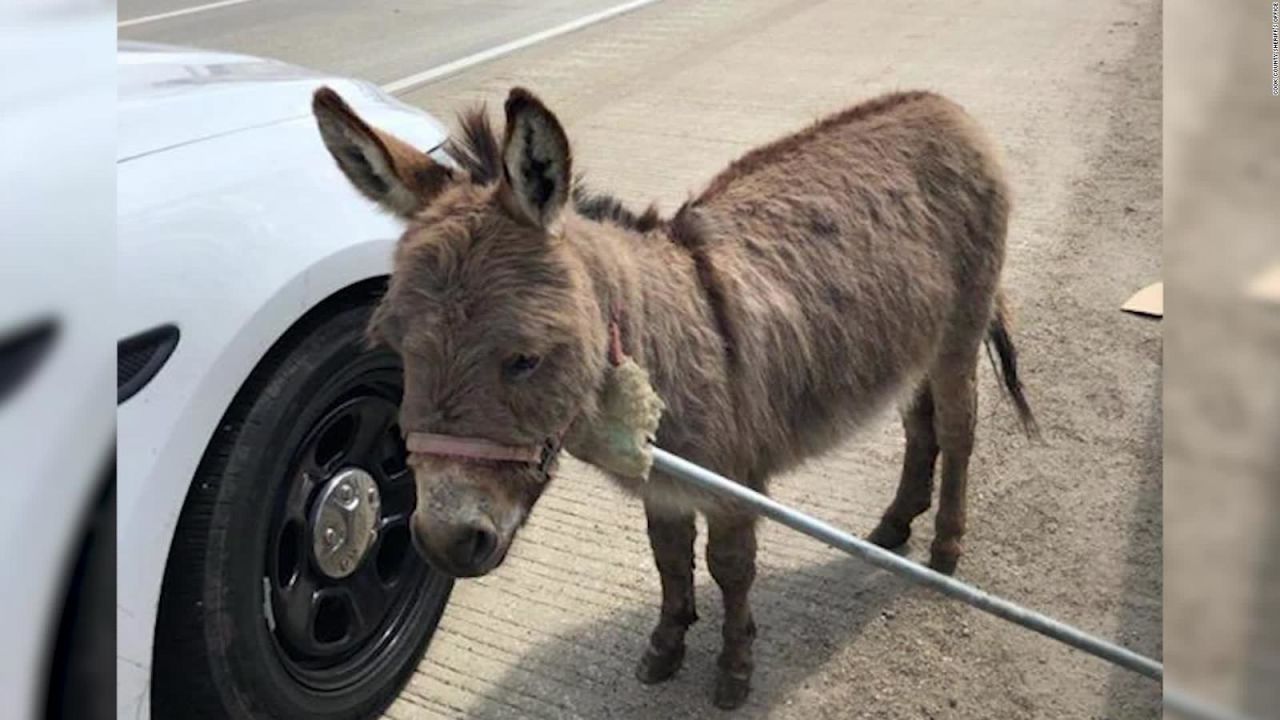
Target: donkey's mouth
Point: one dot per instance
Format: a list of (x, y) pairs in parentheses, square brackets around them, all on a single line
[(459, 573), (461, 551)]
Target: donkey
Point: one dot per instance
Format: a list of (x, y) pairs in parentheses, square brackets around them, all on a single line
[(815, 280)]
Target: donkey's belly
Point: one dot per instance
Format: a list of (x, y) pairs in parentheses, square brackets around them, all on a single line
[(772, 447)]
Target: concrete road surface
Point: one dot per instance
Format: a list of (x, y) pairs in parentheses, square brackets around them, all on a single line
[(378, 40), (655, 102)]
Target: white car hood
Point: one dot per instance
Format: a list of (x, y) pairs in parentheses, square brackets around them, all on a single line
[(169, 96)]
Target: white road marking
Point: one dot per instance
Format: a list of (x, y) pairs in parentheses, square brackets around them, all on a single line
[(449, 68), (179, 13)]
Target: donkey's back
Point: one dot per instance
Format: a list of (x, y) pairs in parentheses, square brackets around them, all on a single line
[(856, 259)]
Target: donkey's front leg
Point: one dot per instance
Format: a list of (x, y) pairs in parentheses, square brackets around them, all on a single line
[(731, 557), (671, 536)]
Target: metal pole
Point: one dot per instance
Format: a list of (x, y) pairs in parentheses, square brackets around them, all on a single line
[(1183, 705), (682, 469)]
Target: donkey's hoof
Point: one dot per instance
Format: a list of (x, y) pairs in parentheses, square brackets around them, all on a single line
[(732, 689), (657, 666), (944, 558), (890, 535)]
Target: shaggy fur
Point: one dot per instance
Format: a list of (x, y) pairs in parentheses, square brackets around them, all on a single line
[(815, 280)]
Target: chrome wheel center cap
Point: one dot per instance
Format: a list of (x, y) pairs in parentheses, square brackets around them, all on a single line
[(344, 522)]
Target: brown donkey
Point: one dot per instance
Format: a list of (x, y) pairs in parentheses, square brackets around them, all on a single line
[(816, 280)]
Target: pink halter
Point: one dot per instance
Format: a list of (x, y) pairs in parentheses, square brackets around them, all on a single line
[(473, 448)]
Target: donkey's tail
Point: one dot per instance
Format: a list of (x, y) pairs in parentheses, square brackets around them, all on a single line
[(1000, 343)]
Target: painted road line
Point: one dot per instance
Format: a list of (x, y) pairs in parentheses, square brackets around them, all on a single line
[(179, 13), (449, 68)]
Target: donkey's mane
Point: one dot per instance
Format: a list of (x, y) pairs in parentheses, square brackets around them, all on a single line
[(478, 150), (604, 207)]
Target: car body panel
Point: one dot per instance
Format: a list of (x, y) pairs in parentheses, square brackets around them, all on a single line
[(55, 426), (232, 235)]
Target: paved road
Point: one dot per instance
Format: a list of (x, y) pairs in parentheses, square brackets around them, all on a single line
[(655, 102), (378, 40)]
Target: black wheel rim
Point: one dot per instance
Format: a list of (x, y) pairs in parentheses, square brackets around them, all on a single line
[(332, 633)]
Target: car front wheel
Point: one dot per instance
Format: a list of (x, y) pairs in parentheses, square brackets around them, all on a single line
[(292, 589)]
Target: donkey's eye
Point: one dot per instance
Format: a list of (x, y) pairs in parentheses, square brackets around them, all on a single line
[(521, 365)]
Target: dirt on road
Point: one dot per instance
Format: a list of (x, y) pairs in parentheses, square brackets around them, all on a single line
[(655, 102)]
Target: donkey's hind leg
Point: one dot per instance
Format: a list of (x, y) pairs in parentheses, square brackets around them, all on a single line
[(671, 535), (915, 488), (955, 403)]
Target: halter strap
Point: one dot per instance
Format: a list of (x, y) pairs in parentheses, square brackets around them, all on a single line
[(474, 448)]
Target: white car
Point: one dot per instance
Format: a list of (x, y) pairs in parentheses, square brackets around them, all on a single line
[(265, 566), (56, 523)]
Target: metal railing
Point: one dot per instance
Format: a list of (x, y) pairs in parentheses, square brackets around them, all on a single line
[(1174, 700)]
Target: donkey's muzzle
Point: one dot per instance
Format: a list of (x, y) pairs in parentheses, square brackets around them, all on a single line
[(464, 549)]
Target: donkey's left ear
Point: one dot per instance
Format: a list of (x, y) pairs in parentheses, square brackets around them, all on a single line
[(387, 170), (535, 160)]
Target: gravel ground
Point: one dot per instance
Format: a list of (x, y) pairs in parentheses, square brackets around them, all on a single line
[(655, 103)]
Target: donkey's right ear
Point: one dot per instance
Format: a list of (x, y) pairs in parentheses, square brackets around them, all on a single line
[(536, 160), (387, 170)]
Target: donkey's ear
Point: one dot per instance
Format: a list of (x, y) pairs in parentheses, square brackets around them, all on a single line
[(535, 160), (389, 171)]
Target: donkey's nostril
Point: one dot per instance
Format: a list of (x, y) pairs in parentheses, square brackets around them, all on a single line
[(472, 546)]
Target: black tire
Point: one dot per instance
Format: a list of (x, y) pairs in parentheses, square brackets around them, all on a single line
[(221, 649)]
